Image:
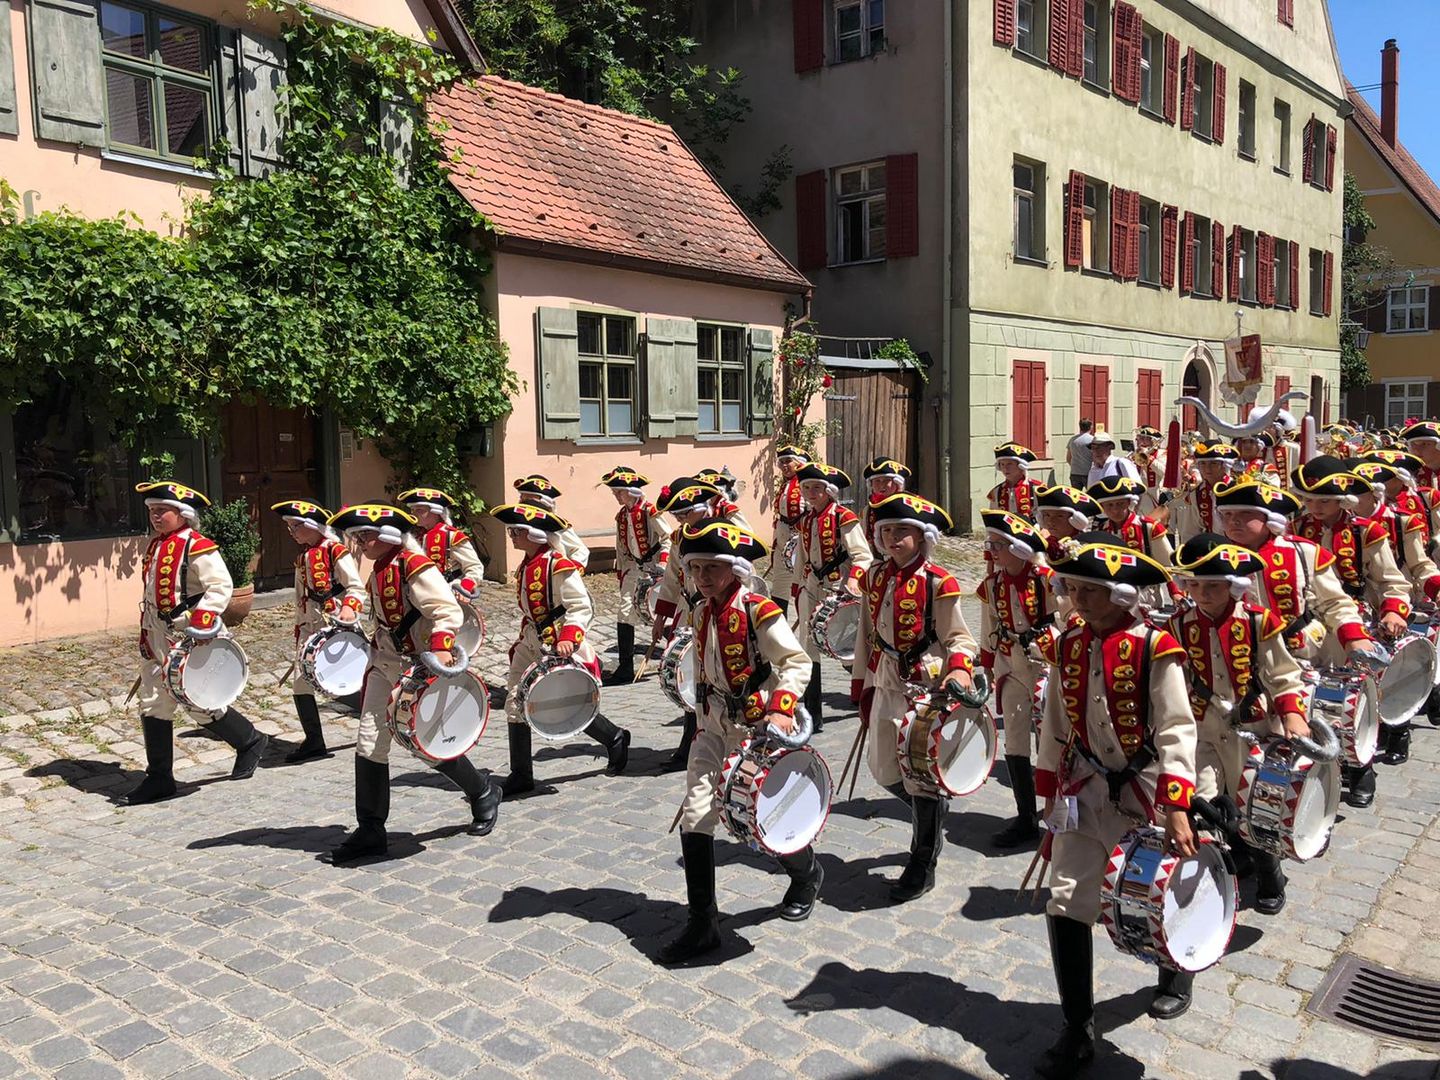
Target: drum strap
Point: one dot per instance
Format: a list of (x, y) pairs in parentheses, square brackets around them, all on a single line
[(554, 615), (650, 552), (1118, 779), (840, 559)]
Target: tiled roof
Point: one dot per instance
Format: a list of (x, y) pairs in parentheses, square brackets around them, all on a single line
[(1397, 158), (553, 173)]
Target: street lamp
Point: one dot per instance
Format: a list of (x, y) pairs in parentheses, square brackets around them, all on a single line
[(1362, 335)]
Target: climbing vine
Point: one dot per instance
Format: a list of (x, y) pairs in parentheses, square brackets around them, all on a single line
[(342, 282)]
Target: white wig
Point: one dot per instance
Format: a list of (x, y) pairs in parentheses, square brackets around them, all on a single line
[(1131, 501), (434, 507), (1019, 550), (188, 512), (1240, 584), (929, 534), (1024, 465), (534, 535), (319, 526), (831, 488), (1278, 524), (386, 534), (1124, 596), (542, 501), (742, 567)]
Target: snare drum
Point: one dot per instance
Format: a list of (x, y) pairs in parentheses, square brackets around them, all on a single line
[(647, 595), (1345, 699), (1287, 802), (774, 798), (792, 550), (334, 660), (949, 747), (558, 698), (1166, 908), (1037, 698), (1406, 682), (677, 669), (206, 674), (836, 624), (438, 717), (471, 634)]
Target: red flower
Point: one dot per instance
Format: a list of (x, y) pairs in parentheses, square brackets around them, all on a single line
[(827, 382)]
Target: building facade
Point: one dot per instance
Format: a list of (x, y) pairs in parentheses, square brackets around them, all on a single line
[(1064, 203), (1402, 352)]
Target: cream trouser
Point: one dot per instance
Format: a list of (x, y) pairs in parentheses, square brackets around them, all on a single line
[(373, 741), (1014, 678), (155, 701), (716, 739), (1079, 856)]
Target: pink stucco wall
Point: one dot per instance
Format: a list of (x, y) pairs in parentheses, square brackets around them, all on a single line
[(55, 590)]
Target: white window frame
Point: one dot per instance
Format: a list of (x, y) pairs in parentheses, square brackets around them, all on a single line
[(1150, 229), (1035, 196), (1282, 137), (1413, 393), (1249, 263), (1204, 78), (1030, 16), (870, 35), (1245, 99), (720, 365), (1317, 282), (605, 360), (1407, 308), (1096, 226), (1204, 259), (1283, 299), (870, 199), (1097, 43), (1152, 70)]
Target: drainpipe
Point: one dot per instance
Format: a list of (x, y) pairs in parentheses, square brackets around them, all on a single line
[(946, 454)]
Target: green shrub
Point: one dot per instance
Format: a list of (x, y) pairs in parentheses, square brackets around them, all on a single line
[(230, 526)]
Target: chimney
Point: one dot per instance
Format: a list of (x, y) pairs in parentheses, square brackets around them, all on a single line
[(1390, 91)]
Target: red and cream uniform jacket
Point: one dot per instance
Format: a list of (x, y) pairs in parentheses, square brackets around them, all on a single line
[(1284, 457), (327, 579), (1300, 585), (789, 505), (1424, 502), (911, 629), (1118, 702), (748, 661), (1018, 498), (415, 608), (1408, 538), (453, 552), (185, 582), (830, 538), (1193, 512), (641, 538), (1428, 477), (554, 606), (1145, 535), (1363, 561), (675, 593), (1016, 611)]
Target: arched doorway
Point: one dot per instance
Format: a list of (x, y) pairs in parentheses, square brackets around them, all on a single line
[(1197, 382)]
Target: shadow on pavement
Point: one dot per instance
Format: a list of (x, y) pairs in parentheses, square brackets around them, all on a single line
[(110, 780), (987, 902), (1012, 1034), (908, 1069), (322, 839), (1420, 1068)]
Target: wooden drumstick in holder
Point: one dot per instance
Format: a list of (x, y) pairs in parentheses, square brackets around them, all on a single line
[(854, 758), (134, 687)]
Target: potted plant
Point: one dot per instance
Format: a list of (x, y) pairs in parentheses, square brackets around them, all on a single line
[(231, 527)]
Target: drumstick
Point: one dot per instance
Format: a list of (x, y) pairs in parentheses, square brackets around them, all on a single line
[(133, 688), (288, 672), (859, 743), (678, 815), (854, 746), (644, 663)]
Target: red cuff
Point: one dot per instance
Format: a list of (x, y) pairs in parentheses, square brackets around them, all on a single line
[(571, 632), (202, 620), (664, 609), (987, 659), (442, 641), (1393, 605), (1351, 631), (331, 606), (856, 572), (1290, 703), (960, 661), (1046, 785), (352, 603), (1432, 587), (663, 558), (468, 584), (1176, 593), (783, 702), (1173, 792)]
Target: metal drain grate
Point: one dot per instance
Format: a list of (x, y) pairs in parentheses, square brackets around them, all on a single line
[(1379, 1001)]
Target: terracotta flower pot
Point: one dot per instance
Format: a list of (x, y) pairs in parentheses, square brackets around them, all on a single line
[(240, 601)]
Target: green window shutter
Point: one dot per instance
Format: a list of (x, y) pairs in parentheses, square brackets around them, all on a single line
[(9, 121), (762, 382), (687, 388), (559, 373), (397, 134), (228, 50), (660, 376), (261, 62), (68, 81)]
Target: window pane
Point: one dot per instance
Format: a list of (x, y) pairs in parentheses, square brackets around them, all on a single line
[(852, 231), (847, 19), (619, 413), (590, 418), (129, 106), (617, 337), (732, 385), (705, 346), (707, 389), (1397, 318), (589, 328), (849, 181), (186, 119), (732, 345), (590, 380), (72, 478), (1023, 226), (1024, 178), (182, 45), (122, 30), (707, 416), (877, 14), (875, 178), (731, 416), (617, 381)]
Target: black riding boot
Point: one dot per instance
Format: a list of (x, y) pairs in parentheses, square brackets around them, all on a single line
[(1397, 744), (1432, 707), (159, 781), (249, 744), (308, 710), (1362, 785), (812, 699), (522, 762), (615, 740), (625, 662), (702, 931), (372, 808), (898, 790), (918, 877), (806, 877), (1269, 882), (1242, 855), (1172, 994), (681, 758), (1070, 953), (482, 792), (1025, 829)]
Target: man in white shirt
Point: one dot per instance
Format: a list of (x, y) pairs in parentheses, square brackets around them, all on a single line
[(1106, 463)]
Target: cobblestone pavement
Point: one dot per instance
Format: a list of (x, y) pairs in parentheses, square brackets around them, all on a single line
[(201, 937)]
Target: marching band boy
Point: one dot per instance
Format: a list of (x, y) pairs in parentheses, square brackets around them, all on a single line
[(1192, 512), (1016, 491), (1063, 512), (541, 492), (642, 545), (884, 476), (327, 582), (449, 548), (789, 509)]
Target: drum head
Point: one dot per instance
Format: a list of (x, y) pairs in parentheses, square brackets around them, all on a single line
[(677, 672), (340, 663), (967, 750), (794, 801), (450, 716), (1367, 723), (1199, 911), (842, 630), (471, 634), (1315, 810), (215, 673), (562, 702), (1407, 682)]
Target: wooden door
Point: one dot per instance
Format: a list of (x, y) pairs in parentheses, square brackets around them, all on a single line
[(870, 413), (271, 454)]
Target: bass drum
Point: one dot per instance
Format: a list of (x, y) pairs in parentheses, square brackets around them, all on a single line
[(949, 747), (438, 717), (558, 698)]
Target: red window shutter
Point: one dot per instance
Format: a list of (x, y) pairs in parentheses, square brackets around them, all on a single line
[(1137, 46), (1265, 269), (810, 229), (1005, 22), (1187, 91), (1075, 221), (1169, 223), (1294, 275), (1217, 260), (1125, 55), (1236, 248), (1331, 141), (902, 206), (1187, 255), (1087, 390), (1282, 386), (1147, 398), (1217, 114), (1102, 396), (1020, 402), (1075, 57), (1285, 12), (1307, 146), (809, 32), (1328, 283), (1039, 416), (1133, 251), (1119, 232), (1060, 33), (1172, 75)]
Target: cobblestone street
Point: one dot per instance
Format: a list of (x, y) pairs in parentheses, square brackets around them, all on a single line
[(202, 937)]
